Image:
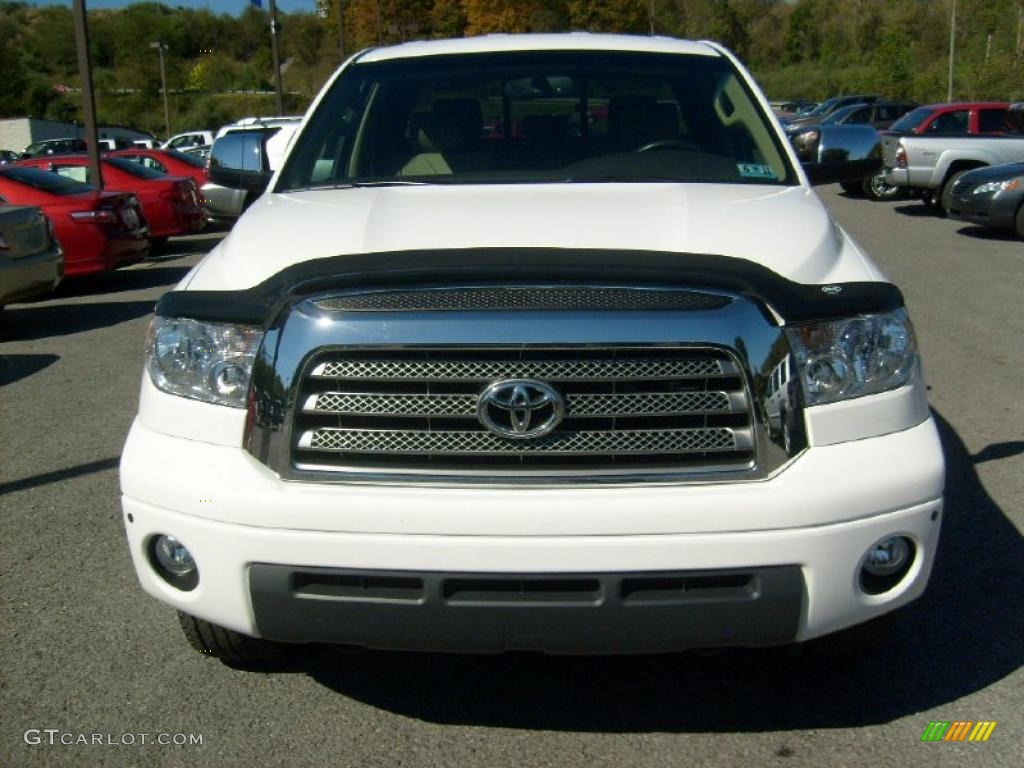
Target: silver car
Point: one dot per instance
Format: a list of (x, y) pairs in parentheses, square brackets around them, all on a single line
[(31, 259)]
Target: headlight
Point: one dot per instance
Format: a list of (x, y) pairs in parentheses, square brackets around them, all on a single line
[(996, 186), (840, 359), (806, 144), (204, 361)]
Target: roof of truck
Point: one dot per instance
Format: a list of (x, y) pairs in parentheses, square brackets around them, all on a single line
[(570, 41), (952, 106)]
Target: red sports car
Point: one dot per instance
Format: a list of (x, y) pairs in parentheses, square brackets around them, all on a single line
[(171, 203), (97, 230), (168, 161)]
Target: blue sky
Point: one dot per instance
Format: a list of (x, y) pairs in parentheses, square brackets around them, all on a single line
[(217, 6)]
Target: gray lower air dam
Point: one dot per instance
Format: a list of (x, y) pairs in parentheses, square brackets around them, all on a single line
[(567, 613)]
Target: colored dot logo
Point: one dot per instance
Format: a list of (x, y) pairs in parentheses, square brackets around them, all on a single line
[(958, 730)]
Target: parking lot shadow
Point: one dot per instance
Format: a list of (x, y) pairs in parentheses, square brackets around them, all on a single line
[(988, 233), (963, 635), (121, 280), (27, 322), (16, 367), (917, 209)]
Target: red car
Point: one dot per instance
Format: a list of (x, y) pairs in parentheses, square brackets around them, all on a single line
[(171, 203), (167, 161), (97, 230)]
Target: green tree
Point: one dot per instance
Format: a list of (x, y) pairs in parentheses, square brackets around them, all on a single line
[(608, 15), (448, 18), (484, 16)]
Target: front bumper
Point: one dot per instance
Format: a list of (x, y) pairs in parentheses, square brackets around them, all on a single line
[(994, 210), (817, 518), (599, 612)]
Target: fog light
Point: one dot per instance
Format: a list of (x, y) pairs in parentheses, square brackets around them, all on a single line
[(885, 564), (887, 556), (175, 564)]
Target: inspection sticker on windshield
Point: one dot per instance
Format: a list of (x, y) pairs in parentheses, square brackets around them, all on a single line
[(755, 171)]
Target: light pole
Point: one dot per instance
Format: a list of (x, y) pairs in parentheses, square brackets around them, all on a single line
[(160, 48), (276, 56), (952, 50), (88, 98)]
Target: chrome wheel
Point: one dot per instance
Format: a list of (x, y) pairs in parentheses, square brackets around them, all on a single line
[(877, 188)]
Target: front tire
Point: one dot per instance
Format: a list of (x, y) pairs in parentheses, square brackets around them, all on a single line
[(1019, 221), (946, 195), (226, 644), (853, 189)]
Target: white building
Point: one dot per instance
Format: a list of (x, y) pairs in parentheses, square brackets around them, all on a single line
[(18, 132)]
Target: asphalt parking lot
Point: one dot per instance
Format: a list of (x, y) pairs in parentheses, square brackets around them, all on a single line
[(85, 651)]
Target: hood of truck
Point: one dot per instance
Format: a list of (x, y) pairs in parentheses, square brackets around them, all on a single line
[(786, 229)]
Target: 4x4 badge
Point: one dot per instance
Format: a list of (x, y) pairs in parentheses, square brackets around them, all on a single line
[(520, 408)]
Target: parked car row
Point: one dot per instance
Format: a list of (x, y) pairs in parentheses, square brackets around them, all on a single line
[(170, 204), (149, 196), (962, 158)]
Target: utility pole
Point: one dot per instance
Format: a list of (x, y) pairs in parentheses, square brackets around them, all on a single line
[(1020, 25), (276, 54), (380, 26), (341, 28), (952, 50), (88, 97), (160, 48), (650, 15)]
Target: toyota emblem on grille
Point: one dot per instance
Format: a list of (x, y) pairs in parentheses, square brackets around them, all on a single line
[(520, 408)]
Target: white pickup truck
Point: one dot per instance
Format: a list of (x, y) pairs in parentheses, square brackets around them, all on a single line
[(932, 164), (533, 342)]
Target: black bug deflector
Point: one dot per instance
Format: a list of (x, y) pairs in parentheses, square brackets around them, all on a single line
[(794, 302)]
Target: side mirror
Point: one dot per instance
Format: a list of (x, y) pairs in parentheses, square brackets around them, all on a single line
[(239, 161), (844, 153)]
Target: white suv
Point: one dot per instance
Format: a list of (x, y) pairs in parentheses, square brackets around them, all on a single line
[(496, 363)]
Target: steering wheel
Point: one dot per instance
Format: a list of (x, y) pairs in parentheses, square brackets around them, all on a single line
[(654, 146)]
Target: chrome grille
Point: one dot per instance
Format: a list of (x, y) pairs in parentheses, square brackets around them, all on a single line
[(635, 409), (480, 370), (450, 442), (636, 404)]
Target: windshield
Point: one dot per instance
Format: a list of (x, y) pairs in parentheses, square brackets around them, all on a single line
[(135, 169), (822, 108), (537, 117), (193, 160), (46, 181), (840, 114), (911, 120)]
